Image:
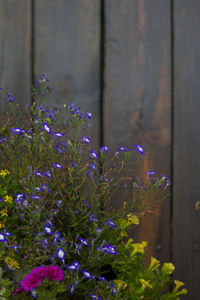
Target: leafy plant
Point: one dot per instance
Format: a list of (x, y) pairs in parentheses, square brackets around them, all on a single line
[(59, 236)]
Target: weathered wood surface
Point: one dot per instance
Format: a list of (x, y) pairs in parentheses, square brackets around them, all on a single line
[(15, 48), (67, 50), (186, 238), (137, 95)]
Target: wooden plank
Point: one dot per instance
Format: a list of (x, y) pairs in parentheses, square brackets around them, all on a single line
[(67, 51), (186, 240), (15, 48), (137, 95)]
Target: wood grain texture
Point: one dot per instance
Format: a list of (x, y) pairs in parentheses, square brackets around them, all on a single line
[(15, 48), (186, 241), (67, 51), (137, 95)]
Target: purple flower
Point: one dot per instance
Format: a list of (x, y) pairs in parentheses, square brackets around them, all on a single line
[(108, 249), (139, 148), (2, 237), (94, 297), (92, 166), (92, 218), (60, 253), (46, 127), (87, 275), (10, 98), (20, 197), (44, 243), (103, 279), (37, 173), (3, 139), (83, 242), (124, 149), (15, 247), (110, 224), (85, 139), (88, 114), (42, 79), (57, 236), (18, 130), (150, 173), (55, 165), (47, 229), (49, 224), (59, 149), (74, 266), (104, 149), (48, 174), (72, 287), (35, 197), (113, 289), (93, 154), (57, 134), (7, 233), (43, 188)]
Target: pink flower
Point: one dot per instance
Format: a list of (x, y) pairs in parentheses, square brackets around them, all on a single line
[(34, 278), (31, 281), (54, 273), (40, 271), (18, 290)]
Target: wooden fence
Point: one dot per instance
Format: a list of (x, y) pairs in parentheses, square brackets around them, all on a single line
[(135, 65)]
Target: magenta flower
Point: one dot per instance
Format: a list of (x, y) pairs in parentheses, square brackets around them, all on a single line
[(40, 271), (18, 290), (33, 279), (54, 273)]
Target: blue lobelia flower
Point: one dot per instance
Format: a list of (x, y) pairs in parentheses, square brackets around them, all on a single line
[(108, 249), (93, 154), (94, 297), (85, 140), (10, 98), (87, 274), (60, 253), (124, 149), (110, 224), (57, 134), (2, 237), (74, 266), (46, 127), (84, 242), (139, 148), (104, 149), (55, 165), (150, 173)]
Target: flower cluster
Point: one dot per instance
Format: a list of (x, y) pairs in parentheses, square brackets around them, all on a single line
[(55, 209)]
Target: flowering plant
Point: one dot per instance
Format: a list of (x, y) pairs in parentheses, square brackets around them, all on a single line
[(59, 236)]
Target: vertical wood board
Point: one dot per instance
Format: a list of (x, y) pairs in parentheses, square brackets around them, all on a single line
[(186, 241), (15, 49), (137, 95), (67, 51)]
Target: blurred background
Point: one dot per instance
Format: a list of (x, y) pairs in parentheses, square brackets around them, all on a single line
[(135, 65)]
